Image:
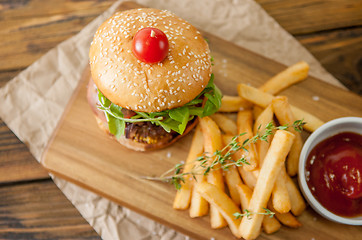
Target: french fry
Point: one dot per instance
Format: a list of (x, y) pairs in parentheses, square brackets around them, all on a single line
[(296, 200), (216, 219), (263, 99), (213, 142), (245, 124), (280, 196), (286, 78), (226, 124), (248, 177), (286, 219), (285, 116), (221, 201), (183, 195), (265, 117), (254, 95), (227, 138), (270, 225), (232, 177), (211, 134), (274, 160), (245, 195), (312, 122), (233, 104), (257, 110), (198, 206)]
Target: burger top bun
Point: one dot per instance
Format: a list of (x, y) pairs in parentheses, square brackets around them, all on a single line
[(138, 86)]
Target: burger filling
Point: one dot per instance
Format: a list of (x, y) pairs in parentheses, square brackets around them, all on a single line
[(165, 125)]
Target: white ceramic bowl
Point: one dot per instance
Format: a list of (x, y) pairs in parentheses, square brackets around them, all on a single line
[(346, 124)]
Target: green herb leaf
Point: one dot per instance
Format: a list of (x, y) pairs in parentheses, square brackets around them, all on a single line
[(116, 110), (169, 124), (180, 115), (196, 111), (248, 214), (298, 125), (116, 126), (175, 119), (214, 96), (103, 100), (194, 102), (284, 127)]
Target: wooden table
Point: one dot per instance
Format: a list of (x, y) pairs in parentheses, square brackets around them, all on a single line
[(331, 30)]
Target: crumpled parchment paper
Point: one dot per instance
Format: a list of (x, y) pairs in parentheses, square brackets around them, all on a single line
[(33, 102)]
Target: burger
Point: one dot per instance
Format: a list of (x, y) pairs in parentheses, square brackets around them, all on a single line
[(150, 78)]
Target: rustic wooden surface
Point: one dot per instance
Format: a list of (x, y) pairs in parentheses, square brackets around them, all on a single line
[(104, 167), (331, 30)]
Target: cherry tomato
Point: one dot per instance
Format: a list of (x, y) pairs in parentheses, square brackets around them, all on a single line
[(150, 45)]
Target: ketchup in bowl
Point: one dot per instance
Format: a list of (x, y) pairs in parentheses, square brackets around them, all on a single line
[(334, 173)]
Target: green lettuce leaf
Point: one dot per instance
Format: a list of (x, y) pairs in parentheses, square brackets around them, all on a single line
[(181, 115), (175, 119), (116, 126)]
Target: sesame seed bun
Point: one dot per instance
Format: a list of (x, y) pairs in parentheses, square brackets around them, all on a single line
[(135, 85)]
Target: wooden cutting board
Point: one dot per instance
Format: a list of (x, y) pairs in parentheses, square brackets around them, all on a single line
[(81, 153)]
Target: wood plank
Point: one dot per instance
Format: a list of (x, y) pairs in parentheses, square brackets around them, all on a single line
[(307, 16), (93, 160), (16, 162), (34, 27), (340, 52), (39, 210)]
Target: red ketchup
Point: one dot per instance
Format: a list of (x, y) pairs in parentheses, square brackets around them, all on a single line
[(334, 174)]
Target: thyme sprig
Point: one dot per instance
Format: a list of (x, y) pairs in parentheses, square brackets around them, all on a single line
[(224, 156), (222, 159), (203, 165), (297, 125), (249, 214)]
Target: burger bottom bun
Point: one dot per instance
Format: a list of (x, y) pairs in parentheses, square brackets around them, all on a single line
[(132, 143)]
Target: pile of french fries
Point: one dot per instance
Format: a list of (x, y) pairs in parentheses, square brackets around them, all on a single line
[(264, 183)]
